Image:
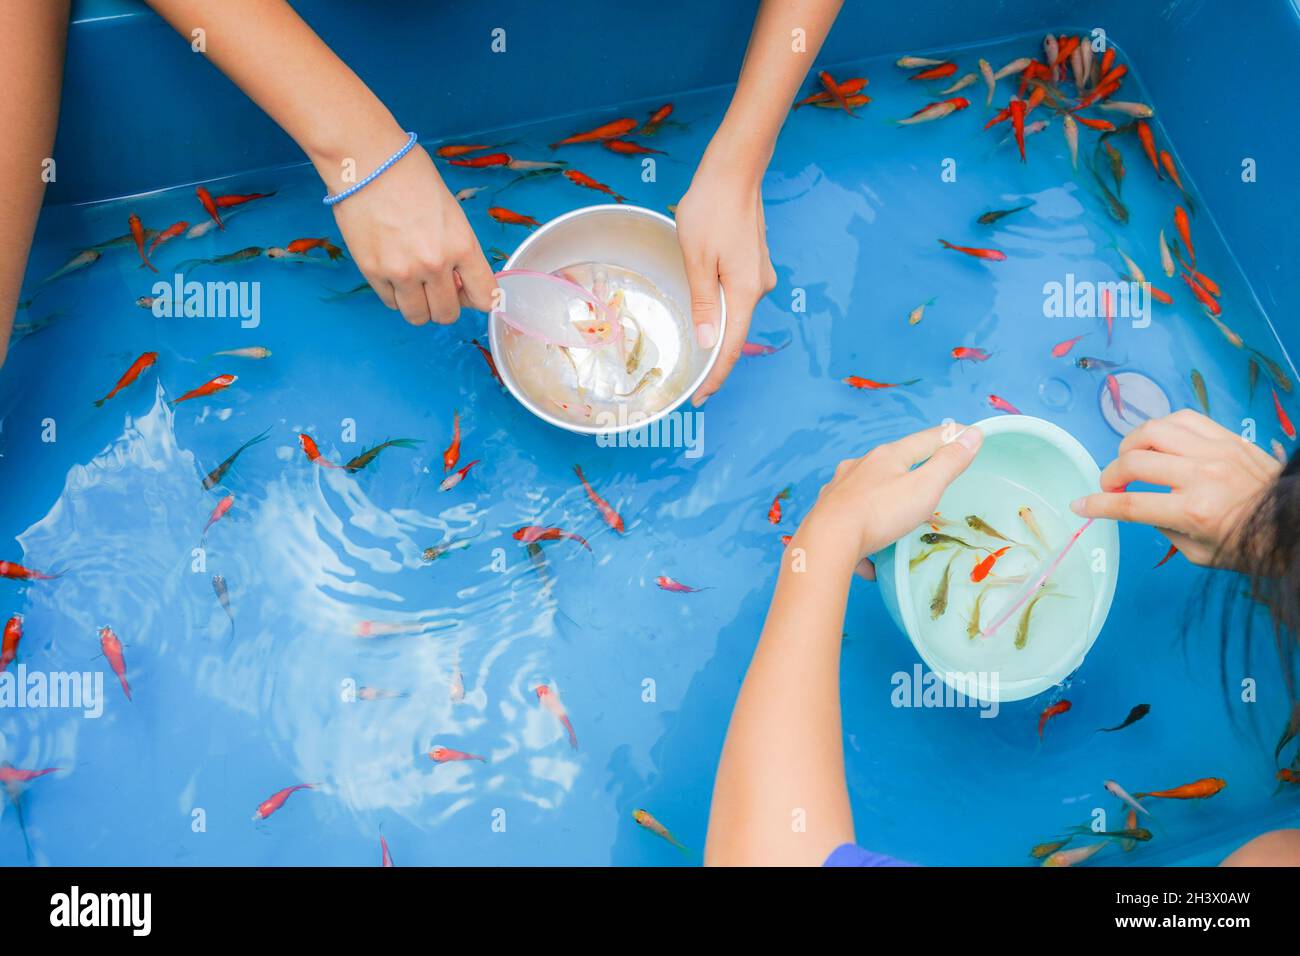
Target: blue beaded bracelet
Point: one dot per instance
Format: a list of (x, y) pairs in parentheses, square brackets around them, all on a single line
[(383, 168)]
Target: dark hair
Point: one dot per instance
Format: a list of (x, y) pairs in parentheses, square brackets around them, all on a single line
[(1265, 548)]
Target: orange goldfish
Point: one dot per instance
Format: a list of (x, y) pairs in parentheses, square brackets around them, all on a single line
[(483, 162), (219, 512), (112, 648), (1288, 429), (967, 353), (207, 388), (313, 453), (982, 569), (612, 517), (1184, 230), (300, 247), (611, 130), (625, 147), (171, 232), (452, 454), (1002, 405), (1196, 790), (665, 583), (237, 199), (131, 374), (12, 635), (447, 755), (552, 703), (16, 572), (1048, 713), (1148, 141), (209, 206), (935, 72), (137, 233), (858, 382), (1061, 349), (532, 533), (774, 512), (510, 218), (993, 255), (277, 799), (837, 94), (582, 179)]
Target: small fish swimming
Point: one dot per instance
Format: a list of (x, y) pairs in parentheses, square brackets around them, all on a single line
[(646, 821), (277, 799), (992, 255), (915, 316), (207, 388), (552, 703), (256, 352), (1184, 227), (1198, 387), (214, 477), (774, 512), (1116, 790), (939, 600), (16, 572), (13, 634), (1196, 790), (976, 523), (935, 111), (665, 583), (456, 477), (1027, 516), (447, 755), (994, 215), (437, 551), (312, 452), (1047, 849), (511, 218), (614, 129), (1071, 130), (1062, 349), (606, 510), (579, 178), (1173, 549), (939, 72), (1136, 110), (1076, 856), (1022, 629), (1288, 429), (130, 375), (985, 565), (836, 93), (1002, 405), (1055, 710), (238, 199), (220, 511), (370, 454), (209, 206), (865, 383), (80, 261), (532, 534), (916, 62), (1134, 715), (137, 233), (1090, 363), (223, 597), (484, 162), (111, 647)]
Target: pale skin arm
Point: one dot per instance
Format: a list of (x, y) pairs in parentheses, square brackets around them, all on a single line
[(32, 39), (783, 760), (405, 231), (720, 219)]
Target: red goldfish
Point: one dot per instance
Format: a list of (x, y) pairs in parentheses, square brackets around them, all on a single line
[(1002, 405), (552, 703), (935, 72), (453, 150), (1288, 429), (656, 119), (13, 634), (1202, 296), (612, 517), (171, 232), (847, 88), (625, 147), (858, 382), (1184, 230), (219, 512), (112, 648), (982, 569), (1106, 126), (1112, 386), (446, 755), (1061, 349), (1017, 108), (452, 454), (131, 374), (207, 388), (237, 199), (385, 858), (532, 533), (510, 218), (611, 130), (456, 477), (137, 233), (313, 453), (970, 354), (836, 92), (12, 776), (491, 362), (209, 206), (276, 800), (1196, 790), (582, 179), (665, 583), (1108, 313), (774, 512), (993, 255), (1048, 713), (483, 162), (16, 572), (300, 247), (1148, 141)]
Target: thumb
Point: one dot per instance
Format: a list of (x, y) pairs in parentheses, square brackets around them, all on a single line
[(949, 461), (702, 277)]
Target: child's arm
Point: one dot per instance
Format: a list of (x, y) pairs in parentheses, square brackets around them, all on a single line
[(780, 797), (720, 219), (405, 231)]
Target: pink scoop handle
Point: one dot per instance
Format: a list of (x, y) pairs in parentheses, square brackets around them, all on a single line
[(1031, 588)]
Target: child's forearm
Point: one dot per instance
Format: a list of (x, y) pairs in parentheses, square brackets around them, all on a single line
[(780, 797), (267, 50), (776, 63)]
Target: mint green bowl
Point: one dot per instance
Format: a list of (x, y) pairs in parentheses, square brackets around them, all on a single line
[(1051, 463)]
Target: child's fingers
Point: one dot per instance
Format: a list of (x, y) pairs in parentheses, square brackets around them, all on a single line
[(948, 461), (1160, 509), (1151, 467), (918, 446)]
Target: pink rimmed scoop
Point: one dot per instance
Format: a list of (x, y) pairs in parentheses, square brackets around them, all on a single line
[(555, 310), (1033, 582)]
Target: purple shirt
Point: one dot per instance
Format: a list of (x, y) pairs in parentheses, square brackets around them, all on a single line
[(850, 854)]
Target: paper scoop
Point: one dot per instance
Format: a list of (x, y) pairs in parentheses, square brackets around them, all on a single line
[(555, 310), (1033, 582)]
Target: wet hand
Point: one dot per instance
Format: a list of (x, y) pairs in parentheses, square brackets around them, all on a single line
[(1214, 477), (880, 497), (412, 242), (723, 236)]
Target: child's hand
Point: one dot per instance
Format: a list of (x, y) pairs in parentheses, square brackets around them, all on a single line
[(1214, 477), (724, 241), (411, 241), (879, 498)]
